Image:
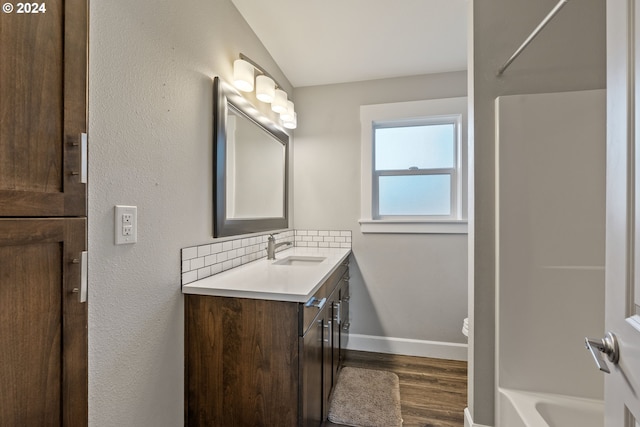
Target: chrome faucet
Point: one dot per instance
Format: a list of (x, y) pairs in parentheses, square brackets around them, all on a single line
[(272, 246)]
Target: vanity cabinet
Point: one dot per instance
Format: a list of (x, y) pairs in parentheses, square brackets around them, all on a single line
[(262, 362)]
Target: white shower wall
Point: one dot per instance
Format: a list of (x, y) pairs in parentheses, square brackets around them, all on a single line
[(550, 232)]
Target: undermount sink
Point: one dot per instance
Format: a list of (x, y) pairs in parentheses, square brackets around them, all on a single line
[(300, 260)]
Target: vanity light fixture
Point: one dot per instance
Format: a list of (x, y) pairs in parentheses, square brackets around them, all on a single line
[(279, 104), (243, 75), (293, 123), (287, 114), (267, 89)]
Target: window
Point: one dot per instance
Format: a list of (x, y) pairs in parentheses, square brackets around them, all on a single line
[(412, 167)]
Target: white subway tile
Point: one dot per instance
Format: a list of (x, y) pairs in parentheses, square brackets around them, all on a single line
[(216, 268), (197, 263), (189, 253), (204, 272), (189, 277), (202, 261), (204, 250)]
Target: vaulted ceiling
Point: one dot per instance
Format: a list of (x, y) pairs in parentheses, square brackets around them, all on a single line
[(337, 41)]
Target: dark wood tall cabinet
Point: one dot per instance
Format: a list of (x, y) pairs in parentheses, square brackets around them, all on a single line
[(43, 209)]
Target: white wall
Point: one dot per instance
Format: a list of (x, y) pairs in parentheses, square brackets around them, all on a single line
[(150, 136), (404, 287), (568, 55), (551, 232)]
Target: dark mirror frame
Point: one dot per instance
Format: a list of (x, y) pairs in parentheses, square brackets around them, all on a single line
[(223, 96)]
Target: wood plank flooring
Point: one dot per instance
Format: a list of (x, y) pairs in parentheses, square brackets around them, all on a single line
[(433, 392)]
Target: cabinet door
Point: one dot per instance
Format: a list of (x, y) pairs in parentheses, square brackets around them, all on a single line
[(334, 338), (311, 374), (344, 317), (327, 362), (43, 74), (43, 325)]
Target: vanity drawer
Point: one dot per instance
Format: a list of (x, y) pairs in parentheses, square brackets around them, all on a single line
[(313, 307)]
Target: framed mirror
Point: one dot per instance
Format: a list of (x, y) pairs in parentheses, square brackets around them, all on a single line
[(250, 158)]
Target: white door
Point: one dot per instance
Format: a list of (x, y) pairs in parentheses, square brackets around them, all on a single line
[(622, 385)]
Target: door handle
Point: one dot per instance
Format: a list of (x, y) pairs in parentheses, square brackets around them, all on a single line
[(607, 345)]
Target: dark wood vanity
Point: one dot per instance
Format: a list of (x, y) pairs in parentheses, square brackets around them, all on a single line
[(260, 362)]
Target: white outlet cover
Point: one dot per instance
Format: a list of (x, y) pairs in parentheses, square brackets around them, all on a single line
[(120, 237)]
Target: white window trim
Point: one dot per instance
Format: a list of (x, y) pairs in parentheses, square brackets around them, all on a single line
[(369, 114)]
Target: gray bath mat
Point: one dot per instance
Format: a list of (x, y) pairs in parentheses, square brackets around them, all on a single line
[(366, 398)]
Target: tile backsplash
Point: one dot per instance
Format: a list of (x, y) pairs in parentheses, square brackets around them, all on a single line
[(203, 261)]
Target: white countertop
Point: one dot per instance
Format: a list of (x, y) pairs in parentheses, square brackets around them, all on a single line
[(262, 279)]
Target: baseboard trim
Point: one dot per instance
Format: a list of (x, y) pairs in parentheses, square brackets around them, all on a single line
[(468, 421), (408, 347)]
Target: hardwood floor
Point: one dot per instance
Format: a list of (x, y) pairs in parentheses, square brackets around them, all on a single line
[(433, 392)]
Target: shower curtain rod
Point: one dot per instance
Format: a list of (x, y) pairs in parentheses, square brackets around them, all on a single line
[(535, 32)]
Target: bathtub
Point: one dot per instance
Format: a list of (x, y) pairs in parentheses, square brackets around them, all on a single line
[(528, 409)]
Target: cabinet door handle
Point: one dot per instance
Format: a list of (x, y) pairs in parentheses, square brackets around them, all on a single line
[(82, 145), (315, 302), (83, 159), (82, 291), (327, 328)]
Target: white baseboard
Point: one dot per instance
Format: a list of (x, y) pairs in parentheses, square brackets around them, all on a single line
[(408, 347), (468, 421)]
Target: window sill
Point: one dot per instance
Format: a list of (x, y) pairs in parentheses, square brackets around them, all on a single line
[(413, 226)]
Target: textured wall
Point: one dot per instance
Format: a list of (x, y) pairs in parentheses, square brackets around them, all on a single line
[(150, 136)]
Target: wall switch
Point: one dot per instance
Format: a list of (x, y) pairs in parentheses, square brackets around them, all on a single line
[(126, 224)]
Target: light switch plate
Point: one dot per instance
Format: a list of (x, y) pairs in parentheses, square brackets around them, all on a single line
[(126, 224)]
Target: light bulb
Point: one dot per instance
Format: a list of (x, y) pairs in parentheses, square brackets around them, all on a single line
[(243, 75), (265, 88), (293, 123), (287, 115), (279, 103)]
